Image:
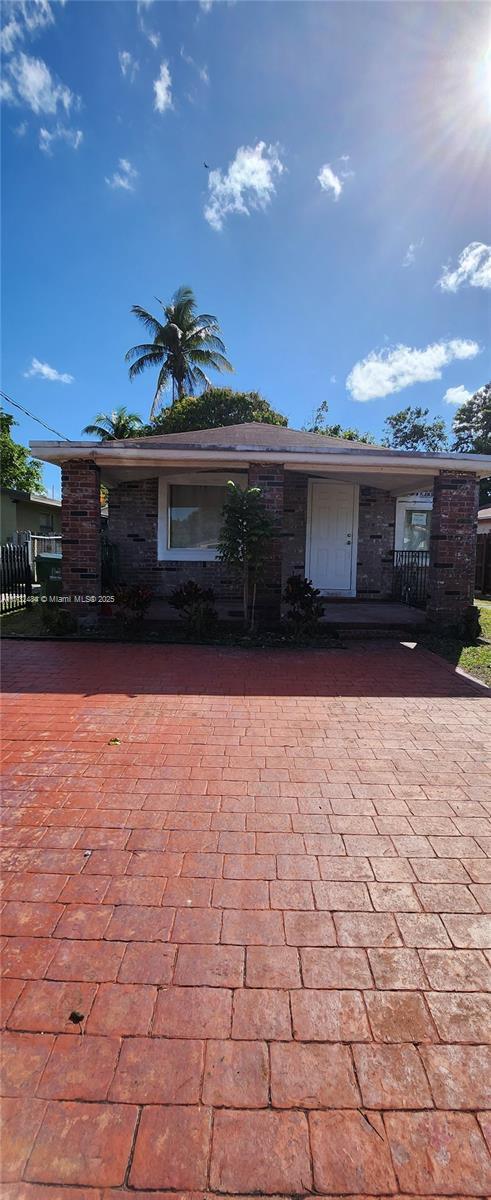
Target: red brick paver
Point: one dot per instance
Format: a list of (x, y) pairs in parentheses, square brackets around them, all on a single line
[(246, 949)]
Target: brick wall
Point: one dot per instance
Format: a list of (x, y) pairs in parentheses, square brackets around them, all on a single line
[(132, 528), (270, 478), (294, 524), (375, 556), (81, 528), (452, 546)]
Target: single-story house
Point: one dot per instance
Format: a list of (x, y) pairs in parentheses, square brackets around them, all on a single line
[(344, 512), (22, 512)]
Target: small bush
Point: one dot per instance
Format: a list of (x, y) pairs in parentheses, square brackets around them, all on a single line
[(195, 606), (57, 620), (132, 602), (305, 606)]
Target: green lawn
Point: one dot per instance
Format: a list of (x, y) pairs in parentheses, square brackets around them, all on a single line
[(474, 658)]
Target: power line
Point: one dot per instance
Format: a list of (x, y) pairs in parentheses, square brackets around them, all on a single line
[(26, 412)]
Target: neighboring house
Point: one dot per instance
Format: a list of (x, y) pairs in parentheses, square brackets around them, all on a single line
[(336, 505), (32, 512), (484, 520)]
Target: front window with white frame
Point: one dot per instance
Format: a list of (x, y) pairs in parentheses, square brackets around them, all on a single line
[(191, 514), (413, 522)]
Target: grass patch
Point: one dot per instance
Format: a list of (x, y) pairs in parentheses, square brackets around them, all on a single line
[(484, 607)]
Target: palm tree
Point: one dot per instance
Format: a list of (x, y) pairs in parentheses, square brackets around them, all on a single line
[(111, 427), (183, 345)]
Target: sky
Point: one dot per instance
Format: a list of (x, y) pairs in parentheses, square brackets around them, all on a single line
[(340, 231)]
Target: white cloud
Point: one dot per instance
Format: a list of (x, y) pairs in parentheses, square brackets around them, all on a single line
[(150, 34), (205, 5), (163, 89), (329, 181), (61, 133), (457, 395), (44, 371), (25, 16), (191, 62), (248, 183), (386, 371), (32, 83), (20, 130), (410, 254), (125, 177), (473, 269), (129, 65)]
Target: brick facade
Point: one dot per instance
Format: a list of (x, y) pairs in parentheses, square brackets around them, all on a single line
[(375, 558), (452, 546), (132, 528), (81, 528), (270, 478)]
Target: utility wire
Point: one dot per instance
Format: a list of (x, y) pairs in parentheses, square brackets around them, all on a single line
[(26, 412)]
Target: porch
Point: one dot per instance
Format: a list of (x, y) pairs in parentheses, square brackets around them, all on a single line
[(334, 507)]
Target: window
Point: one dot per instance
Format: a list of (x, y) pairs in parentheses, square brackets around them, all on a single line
[(416, 534), (195, 516), (190, 514)]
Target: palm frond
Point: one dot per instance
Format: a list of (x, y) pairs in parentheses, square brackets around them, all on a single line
[(148, 320), (162, 382), (146, 360), (145, 348)]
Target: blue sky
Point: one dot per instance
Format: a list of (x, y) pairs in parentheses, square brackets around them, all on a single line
[(341, 234)]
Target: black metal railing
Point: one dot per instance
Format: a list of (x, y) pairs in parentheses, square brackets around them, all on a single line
[(410, 577), (15, 577)]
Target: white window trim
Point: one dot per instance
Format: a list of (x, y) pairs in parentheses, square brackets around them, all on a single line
[(166, 553), (417, 502)]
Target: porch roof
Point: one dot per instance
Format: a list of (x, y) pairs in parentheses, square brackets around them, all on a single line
[(238, 445)]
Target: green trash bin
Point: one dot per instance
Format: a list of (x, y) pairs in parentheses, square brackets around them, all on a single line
[(48, 574)]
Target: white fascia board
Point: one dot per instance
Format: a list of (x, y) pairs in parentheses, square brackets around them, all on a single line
[(106, 453)]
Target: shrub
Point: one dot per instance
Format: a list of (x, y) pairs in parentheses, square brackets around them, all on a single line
[(305, 607), (57, 620), (132, 601), (195, 606)]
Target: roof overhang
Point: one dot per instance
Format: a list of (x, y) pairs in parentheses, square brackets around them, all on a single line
[(361, 462)]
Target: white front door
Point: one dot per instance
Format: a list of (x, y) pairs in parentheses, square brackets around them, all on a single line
[(331, 563)]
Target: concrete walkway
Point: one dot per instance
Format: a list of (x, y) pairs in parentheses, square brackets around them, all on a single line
[(245, 948)]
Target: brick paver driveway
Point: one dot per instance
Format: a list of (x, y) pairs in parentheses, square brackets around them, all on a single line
[(245, 946)]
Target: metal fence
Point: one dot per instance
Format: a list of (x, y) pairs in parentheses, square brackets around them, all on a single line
[(410, 577), (15, 577)]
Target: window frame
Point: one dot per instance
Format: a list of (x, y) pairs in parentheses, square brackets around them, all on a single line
[(167, 553), (415, 502)]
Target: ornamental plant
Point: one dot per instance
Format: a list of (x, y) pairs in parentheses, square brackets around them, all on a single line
[(305, 606), (245, 540), (195, 606)]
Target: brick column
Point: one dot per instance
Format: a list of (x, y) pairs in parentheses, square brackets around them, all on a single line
[(451, 575), (271, 481), (81, 528)]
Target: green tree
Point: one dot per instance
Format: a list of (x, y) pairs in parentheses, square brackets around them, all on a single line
[(215, 407), (244, 541), (410, 429), (319, 424), (185, 344), (19, 470), (472, 433), (118, 424), (472, 423)]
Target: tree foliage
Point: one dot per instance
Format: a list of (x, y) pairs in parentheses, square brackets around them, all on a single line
[(472, 423), (185, 344), (410, 429), (319, 424), (19, 470), (213, 408), (245, 539), (118, 424)]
